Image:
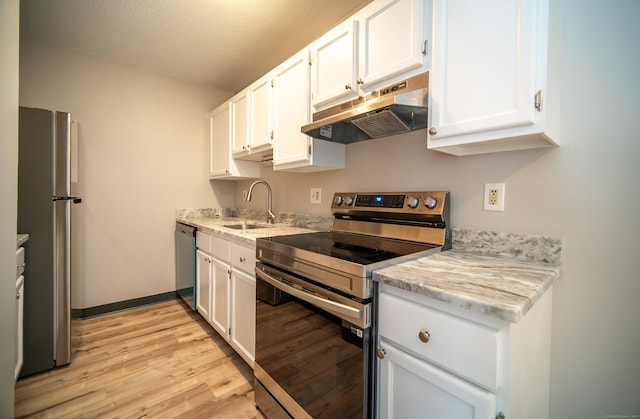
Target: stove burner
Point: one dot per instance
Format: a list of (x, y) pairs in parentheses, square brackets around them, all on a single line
[(352, 252)]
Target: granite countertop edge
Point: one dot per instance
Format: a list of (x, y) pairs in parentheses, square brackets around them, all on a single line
[(217, 221), (501, 275), (21, 239)]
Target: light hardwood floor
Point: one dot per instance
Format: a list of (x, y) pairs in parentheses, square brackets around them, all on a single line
[(154, 361)]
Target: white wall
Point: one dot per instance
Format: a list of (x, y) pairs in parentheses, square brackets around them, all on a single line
[(142, 154), (587, 191), (9, 35)]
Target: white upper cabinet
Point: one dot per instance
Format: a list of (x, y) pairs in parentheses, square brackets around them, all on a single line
[(293, 150), (334, 69), (221, 162), (261, 114), (240, 129), (393, 40), (489, 85), (384, 42), (251, 126)]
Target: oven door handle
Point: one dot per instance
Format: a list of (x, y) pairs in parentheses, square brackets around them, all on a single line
[(321, 302)]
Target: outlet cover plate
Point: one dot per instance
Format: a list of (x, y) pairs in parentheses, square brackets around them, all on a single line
[(493, 197), (316, 195)]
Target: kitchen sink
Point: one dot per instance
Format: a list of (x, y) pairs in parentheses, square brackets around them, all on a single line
[(245, 226)]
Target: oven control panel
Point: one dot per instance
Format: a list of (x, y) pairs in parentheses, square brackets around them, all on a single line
[(430, 202)]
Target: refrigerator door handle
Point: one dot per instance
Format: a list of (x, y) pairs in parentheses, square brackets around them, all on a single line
[(75, 199)]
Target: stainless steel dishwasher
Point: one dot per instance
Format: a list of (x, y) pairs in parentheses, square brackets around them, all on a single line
[(186, 263)]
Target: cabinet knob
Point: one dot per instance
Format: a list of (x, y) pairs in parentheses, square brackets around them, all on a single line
[(424, 336), (360, 81), (433, 131), (380, 353), (347, 86), (500, 415), (242, 259), (17, 296)]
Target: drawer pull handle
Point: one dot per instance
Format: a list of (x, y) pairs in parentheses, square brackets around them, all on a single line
[(380, 353), (424, 336), (242, 259)]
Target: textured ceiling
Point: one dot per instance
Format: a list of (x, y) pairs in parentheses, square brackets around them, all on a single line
[(224, 43)]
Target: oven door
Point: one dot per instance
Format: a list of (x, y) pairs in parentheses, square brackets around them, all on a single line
[(313, 348)]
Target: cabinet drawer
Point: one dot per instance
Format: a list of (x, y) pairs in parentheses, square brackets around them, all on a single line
[(463, 347), (243, 258), (220, 249), (203, 242)]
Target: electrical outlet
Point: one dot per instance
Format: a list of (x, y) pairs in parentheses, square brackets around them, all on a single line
[(494, 196), (316, 195)]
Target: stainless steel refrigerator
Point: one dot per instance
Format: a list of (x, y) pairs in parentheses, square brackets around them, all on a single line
[(44, 213)]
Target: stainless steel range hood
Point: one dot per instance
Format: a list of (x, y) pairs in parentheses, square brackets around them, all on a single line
[(401, 107)]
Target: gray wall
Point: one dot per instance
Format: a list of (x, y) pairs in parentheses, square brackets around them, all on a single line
[(9, 24), (142, 140), (587, 191)]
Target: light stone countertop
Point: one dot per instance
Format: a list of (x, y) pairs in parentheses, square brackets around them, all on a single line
[(21, 239), (216, 225), (498, 274)]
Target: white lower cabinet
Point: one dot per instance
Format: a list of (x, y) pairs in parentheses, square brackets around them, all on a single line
[(19, 312), (203, 284), (220, 278), (243, 301), (414, 388), (19, 326), (226, 290), (439, 361)]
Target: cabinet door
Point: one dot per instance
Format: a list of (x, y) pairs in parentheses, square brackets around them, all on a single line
[(240, 130), (486, 68), (243, 314), (411, 388), (261, 115), (19, 326), (221, 163), (291, 107), (334, 68), (392, 39), (219, 141), (220, 278), (203, 285)]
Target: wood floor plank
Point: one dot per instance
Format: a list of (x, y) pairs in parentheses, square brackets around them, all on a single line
[(155, 361)]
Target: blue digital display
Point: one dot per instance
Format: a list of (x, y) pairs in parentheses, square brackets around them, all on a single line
[(380, 201)]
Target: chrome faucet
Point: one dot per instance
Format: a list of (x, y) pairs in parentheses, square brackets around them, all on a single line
[(271, 218)]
